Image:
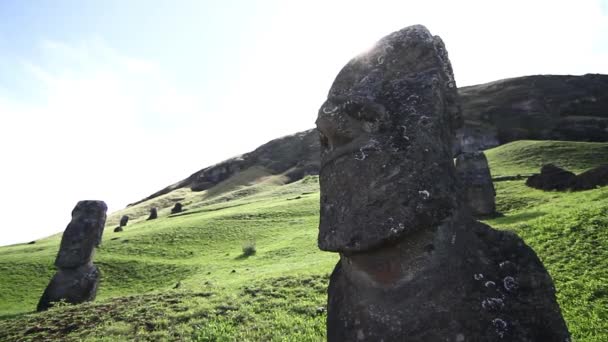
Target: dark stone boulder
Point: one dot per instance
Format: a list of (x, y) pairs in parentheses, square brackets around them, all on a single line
[(552, 177), (473, 172), (414, 265), (177, 208), (118, 229), (77, 278), (592, 179), (153, 214), (124, 220)]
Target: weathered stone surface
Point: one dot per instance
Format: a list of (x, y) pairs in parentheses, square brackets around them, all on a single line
[(74, 285), (82, 234), (124, 220), (414, 265), (372, 144), (77, 278), (552, 177), (473, 172), (177, 208), (153, 214)]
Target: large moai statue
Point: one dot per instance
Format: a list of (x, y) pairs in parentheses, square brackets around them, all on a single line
[(415, 266), (77, 277), (478, 190)]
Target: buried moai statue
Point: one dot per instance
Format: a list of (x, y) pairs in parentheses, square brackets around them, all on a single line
[(478, 190), (153, 214), (177, 208), (124, 220), (77, 277), (414, 265)]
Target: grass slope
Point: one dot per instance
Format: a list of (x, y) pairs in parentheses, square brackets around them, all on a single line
[(184, 277)]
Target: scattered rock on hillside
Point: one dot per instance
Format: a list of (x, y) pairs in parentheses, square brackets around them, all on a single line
[(415, 266), (593, 178), (77, 277), (473, 172), (124, 220), (153, 214), (177, 208), (118, 229), (552, 177)]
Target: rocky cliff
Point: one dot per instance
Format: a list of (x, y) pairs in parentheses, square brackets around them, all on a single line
[(531, 107), (540, 107)]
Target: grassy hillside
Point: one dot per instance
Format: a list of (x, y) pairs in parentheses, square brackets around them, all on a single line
[(185, 277)]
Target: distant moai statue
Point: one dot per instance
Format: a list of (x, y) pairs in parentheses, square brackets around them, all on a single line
[(124, 220), (177, 208), (479, 194), (77, 277), (414, 265), (153, 214)]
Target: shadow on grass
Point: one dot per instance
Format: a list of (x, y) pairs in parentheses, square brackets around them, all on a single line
[(510, 219), (14, 315)]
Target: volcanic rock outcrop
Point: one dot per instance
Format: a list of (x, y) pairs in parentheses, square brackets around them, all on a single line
[(474, 175), (552, 177), (415, 266), (538, 107), (77, 277)]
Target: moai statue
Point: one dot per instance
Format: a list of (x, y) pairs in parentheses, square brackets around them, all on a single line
[(478, 189), (153, 214), (415, 266), (177, 208), (77, 277), (124, 220)]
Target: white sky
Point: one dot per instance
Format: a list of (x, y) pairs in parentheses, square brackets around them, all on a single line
[(115, 116)]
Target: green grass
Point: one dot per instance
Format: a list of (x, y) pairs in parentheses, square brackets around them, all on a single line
[(185, 277)]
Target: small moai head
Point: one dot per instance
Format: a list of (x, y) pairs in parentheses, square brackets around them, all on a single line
[(82, 234), (124, 220), (153, 214), (177, 208), (387, 129)]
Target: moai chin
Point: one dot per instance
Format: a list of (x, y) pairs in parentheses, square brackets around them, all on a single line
[(413, 265), (77, 277)]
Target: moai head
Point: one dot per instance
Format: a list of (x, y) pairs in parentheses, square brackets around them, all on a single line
[(82, 234), (124, 220), (153, 214), (386, 134)]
